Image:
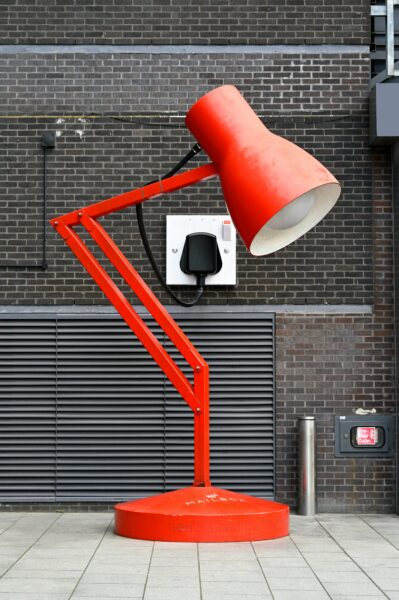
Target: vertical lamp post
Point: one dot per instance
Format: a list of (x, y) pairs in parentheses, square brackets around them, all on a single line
[(275, 192)]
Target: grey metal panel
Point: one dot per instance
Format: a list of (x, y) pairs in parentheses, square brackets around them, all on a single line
[(27, 409), (240, 353), (110, 412), (117, 427), (384, 122)]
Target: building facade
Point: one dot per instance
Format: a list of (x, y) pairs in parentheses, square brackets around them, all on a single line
[(114, 81)]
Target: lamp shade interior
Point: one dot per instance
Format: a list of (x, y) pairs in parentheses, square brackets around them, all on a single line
[(295, 219)]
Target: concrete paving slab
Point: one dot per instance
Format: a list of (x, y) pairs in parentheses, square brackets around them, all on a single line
[(349, 567), (18, 572), (335, 557), (40, 596), (37, 586), (53, 564), (172, 561), (125, 578), (227, 556), (105, 590), (232, 566), (296, 584), (231, 576), (209, 595), (363, 590), (235, 588), (281, 561), (186, 571), (327, 557), (351, 597), (291, 573), (378, 562), (171, 594), (300, 595), (331, 576), (118, 569)]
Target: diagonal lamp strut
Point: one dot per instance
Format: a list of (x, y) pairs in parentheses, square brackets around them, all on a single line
[(196, 395)]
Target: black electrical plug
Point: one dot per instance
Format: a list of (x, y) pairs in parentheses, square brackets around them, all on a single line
[(201, 256)]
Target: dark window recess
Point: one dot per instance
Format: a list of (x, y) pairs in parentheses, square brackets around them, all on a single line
[(86, 414)]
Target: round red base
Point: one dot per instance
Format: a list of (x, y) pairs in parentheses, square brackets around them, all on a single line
[(202, 514)]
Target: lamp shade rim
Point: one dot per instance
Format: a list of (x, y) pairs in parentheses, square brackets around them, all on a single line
[(267, 241)]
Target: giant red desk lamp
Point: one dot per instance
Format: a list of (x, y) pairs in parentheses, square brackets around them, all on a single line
[(275, 193)]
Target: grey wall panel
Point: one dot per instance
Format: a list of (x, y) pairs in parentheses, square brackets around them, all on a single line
[(87, 415)]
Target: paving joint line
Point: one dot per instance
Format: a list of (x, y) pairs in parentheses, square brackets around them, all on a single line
[(6, 529), (148, 572), (199, 571), (352, 558), (91, 558), (32, 544), (13, 523), (377, 532), (311, 568), (263, 573)]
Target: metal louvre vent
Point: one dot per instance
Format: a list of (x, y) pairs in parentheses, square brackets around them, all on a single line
[(239, 351), (87, 414), (110, 412), (27, 409)]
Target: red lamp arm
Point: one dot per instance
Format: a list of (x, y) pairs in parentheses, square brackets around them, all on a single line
[(163, 186), (196, 395)]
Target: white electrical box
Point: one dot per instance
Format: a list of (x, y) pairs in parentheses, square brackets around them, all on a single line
[(178, 227)]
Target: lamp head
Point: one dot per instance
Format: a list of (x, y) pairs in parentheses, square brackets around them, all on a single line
[(275, 191)]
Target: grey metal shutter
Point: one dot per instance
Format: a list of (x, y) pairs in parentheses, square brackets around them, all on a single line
[(110, 399), (87, 415), (27, 408)]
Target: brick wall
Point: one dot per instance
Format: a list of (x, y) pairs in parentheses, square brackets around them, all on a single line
[(100, 157), (326, 364), (167, 84), (176, 22), (330, 365)]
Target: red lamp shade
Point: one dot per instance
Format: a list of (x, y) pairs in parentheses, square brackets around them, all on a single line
[(274, 190)]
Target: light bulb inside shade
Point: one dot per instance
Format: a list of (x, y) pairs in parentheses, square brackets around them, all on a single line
[(293, 213), (318, 203)]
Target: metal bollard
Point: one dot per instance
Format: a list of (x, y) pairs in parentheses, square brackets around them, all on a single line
[(306, 466)]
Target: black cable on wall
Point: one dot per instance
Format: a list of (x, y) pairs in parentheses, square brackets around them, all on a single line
[(47, 142)]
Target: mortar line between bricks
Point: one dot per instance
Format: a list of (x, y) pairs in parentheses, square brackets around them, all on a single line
[(311, 568), (376, 530), (148, 571), (263, 573), (351, 558), (91, 558), (32, 544)]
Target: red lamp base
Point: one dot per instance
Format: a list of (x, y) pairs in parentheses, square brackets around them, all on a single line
[(202, 514)]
